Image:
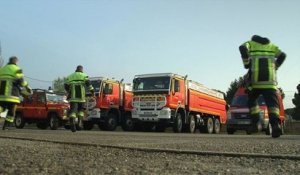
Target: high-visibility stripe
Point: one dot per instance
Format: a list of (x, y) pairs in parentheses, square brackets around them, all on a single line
[(270, 70), (80, 114), (73, 115), (274, 110), (9, 119), (255, 110)]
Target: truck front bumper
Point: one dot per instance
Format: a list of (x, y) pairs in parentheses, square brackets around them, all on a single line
[(151, 115)]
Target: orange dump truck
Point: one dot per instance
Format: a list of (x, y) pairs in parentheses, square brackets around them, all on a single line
[(166, 99)]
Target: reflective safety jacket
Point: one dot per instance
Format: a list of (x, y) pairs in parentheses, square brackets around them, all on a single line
[(262, 64), (75, 86), (11, 79)]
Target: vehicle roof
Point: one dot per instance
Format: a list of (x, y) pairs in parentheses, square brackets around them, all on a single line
[(158, 75), (104, 79)]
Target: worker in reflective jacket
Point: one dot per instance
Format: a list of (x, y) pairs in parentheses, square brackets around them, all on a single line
[(262, 58), (76, 85), (11, 82)]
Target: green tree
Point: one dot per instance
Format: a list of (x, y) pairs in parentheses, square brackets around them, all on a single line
[(296, 102), (58, 85), (234, 85)]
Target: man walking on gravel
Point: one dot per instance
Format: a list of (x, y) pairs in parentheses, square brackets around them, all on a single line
[(262, 58), (11, 80), (75, 86)]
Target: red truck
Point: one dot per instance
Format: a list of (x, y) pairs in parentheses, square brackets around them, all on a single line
[(112, 106), (239, 117), (43, 108), (166, 99)]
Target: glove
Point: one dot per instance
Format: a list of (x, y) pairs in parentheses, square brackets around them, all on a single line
[(29, 90), (26, 91)]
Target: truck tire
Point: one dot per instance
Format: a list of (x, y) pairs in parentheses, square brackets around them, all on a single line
[(42, 125), (177, 125), (53, 122), (217, 126), (209, 125), (192, 124), (111, 122), (19, 121), (88, 125), (128, 124)]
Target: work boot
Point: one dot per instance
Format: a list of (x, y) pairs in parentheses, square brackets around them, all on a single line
[(253, 126), (6, 125), (72, 124), (80, 124), (276, 130)]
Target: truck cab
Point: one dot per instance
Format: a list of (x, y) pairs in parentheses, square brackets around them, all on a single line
[(167, 99), (44, 108), (112, 106), (239, 115)]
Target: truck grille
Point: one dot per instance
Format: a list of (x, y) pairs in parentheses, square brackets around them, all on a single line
[(241, 115)]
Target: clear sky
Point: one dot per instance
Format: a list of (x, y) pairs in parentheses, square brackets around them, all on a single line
[(122, 38)]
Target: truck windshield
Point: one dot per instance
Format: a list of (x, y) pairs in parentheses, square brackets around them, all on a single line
[(55, 98), (96, 84), (151, 84), (242, 100)]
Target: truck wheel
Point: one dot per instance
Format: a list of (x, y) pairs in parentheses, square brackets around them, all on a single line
[(177, 125), (230, 131), (128, 124), (217, 126), (209, 125), (192, 124), (88, 125), (53, 122), (111, 122), (19, 121), (42, 125)]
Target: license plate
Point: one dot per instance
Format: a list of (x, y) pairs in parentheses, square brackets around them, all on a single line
[(243, 122)]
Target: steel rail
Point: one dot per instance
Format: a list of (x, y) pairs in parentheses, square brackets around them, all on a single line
[(158, 150)]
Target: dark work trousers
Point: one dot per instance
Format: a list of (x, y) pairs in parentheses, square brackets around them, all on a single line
[(11, 107), (271, 100), (76, 107)]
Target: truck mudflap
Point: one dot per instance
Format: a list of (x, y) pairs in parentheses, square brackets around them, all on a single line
[(152, 116)]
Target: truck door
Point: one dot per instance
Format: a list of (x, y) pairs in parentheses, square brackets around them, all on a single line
[(177, 97), (28, 107), (40, 106), (106, 95)]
